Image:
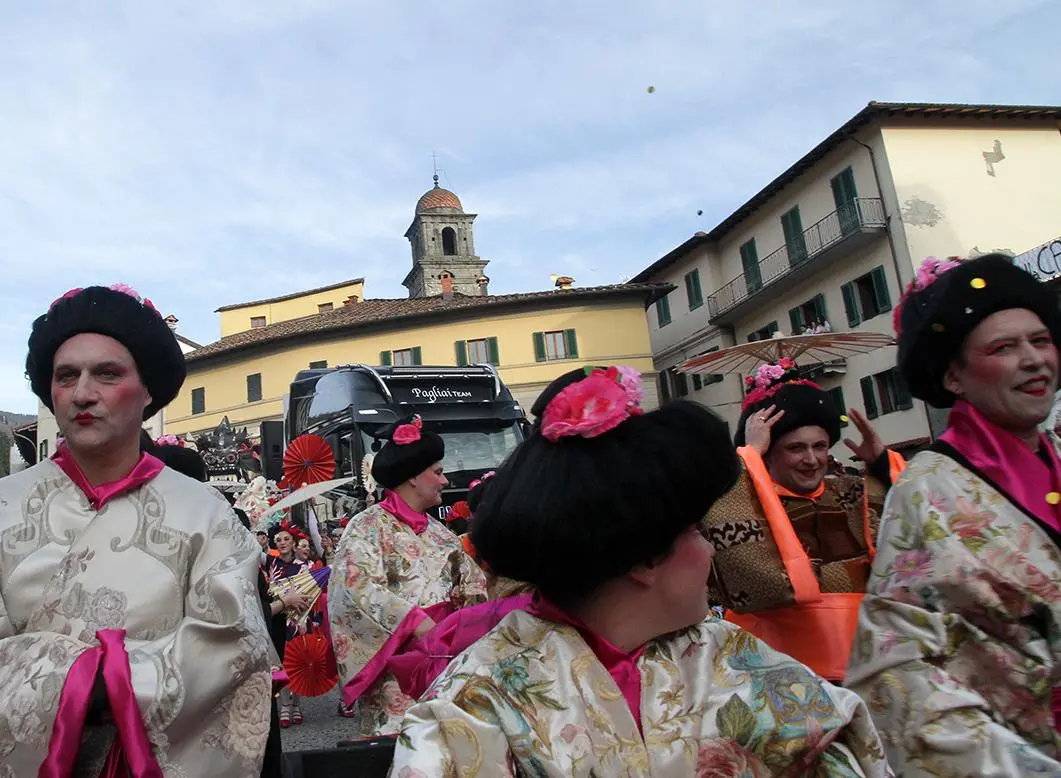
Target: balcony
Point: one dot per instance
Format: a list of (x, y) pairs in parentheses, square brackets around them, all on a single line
[(849, 228)]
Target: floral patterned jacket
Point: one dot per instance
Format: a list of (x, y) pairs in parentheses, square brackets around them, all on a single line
[(383, 577), (958, 648), (531, 699)]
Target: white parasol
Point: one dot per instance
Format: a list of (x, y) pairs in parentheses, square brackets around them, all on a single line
[(308, 492), (803, 349)]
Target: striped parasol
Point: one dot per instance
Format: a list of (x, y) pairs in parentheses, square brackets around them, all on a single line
[(803, 349), (310, 583)]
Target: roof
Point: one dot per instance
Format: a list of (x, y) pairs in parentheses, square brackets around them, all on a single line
[(370, 315), (872, 112), (438, 198), (292, 296), (187, 341)]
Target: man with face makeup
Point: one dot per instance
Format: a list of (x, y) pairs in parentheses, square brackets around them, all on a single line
[(119, 575), (794, 544)]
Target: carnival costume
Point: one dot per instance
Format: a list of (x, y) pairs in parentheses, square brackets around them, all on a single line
[(958, 651), (393, 569), (112, 595), (791, 568)]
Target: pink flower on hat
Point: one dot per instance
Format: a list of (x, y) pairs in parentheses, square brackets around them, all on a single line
[(588, 408), (929, 272), (66, 296), (405, 434)]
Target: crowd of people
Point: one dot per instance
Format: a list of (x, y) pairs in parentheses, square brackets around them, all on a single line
[(631, 593)]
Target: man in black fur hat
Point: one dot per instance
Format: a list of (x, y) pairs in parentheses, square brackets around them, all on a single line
[(119, 568), (794, 543), (396, 573)]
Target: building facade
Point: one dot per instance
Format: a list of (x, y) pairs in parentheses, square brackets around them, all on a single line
[(837, 236), (449, 318)]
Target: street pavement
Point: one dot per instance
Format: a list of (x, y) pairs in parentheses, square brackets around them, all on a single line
[(321, 726)]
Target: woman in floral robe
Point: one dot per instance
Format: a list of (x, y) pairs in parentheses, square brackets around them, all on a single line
[(396, 573), (958, 648), (615, 668)]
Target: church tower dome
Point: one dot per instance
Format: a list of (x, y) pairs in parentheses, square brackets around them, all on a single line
[(442, 243)]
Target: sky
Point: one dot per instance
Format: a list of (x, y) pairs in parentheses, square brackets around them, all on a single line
[(214, 153)]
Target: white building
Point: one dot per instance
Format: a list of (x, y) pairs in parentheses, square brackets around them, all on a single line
[(839, 233)]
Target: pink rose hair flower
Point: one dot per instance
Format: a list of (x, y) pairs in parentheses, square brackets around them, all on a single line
[(600, 402), (405, 434)]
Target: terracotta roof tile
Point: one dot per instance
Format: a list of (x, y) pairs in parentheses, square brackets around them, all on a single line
[(438, 198), (292, 296), (374, 314)]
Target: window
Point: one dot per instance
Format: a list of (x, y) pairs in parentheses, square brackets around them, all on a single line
[(867, 296), (749, 262), (884, 393), (808, 314), (257, 322), (711, 378), (254, 387), (42, 451), (792, 226), (693, 290), (320, 364), (325, 307), (664, 387), (663, 311), (449, 241), (681, 384), (198, 400), (559, 344), (476, 352), (765, 333), (845, 197), (837, 396), (405, 357)]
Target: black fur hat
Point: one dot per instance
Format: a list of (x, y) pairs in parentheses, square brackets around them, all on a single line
[(121, 315), (183, 460), (947, 301), (410, 450), (804, 402)]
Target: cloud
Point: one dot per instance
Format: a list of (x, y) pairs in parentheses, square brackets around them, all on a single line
[(209, 154)]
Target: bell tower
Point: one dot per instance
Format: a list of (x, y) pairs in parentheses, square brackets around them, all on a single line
[(442, 241)]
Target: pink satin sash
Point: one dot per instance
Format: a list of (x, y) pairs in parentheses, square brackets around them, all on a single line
[(131, 754), (403, 512), (145, 469)]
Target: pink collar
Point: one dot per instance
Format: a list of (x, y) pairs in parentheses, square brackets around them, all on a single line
[(1019, 472), (146, 468), (621, 666), (401, 510)]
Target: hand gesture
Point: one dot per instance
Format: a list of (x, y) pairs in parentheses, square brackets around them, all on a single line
[(295, 600), (757, 428), (871, 446)]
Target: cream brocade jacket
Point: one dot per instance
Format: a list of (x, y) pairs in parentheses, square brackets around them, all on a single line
[(169, 563), (531, 699)]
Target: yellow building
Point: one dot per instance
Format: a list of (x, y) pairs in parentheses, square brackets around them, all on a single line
[(449, 319)]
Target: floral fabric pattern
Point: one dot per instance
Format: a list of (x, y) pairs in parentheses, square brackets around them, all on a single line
[(382, 573), (531, 698), (958, 648), (168, 563)]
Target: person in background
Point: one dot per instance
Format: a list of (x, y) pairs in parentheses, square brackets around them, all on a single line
[(396, 573), (615, 667), (119, 575), (793, 544), (958, 651), (285, 536)]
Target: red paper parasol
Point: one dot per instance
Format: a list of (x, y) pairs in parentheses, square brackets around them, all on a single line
[(309, 665), (308, 459)]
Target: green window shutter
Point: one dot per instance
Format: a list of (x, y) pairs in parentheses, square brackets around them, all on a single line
[(418, 357), (904, 401), (462, 352), (681, 388), (385, 358), (693, 290), (749, 260), (869, 398), (698, 382), (539, 346), (773, 327), (664, 387), (795, 318), (880, 289), (851, 304), (493, 351), (572, 344), (819, 307), (663, 311)]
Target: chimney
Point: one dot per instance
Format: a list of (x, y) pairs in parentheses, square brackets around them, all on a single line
[(351, 300), (564, 282), (171, 322), (484, 284), (446, 279)]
